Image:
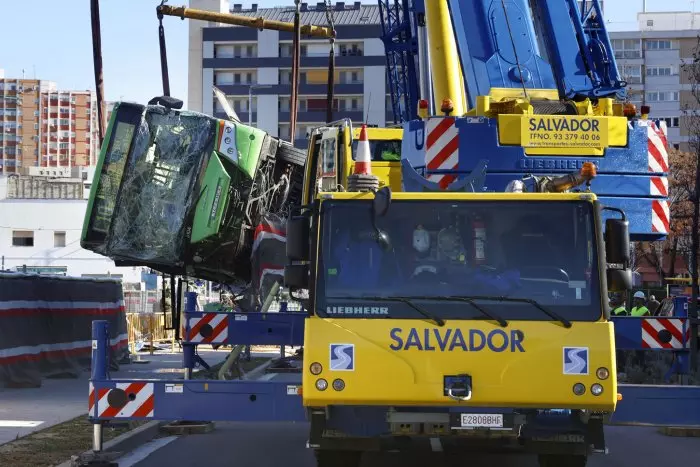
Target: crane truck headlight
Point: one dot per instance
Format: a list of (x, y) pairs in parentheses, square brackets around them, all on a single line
[(579, 389), (338, 384), (315, 368), (321, 384), (596, 389), (602, 373)]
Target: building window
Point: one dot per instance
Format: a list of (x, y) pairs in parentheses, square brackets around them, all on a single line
[(650, 22), (660, 71), (663, 96), (59, 239), (659, 44), (627, 48), (632, 73), (671, 122), (285, 77), (351, 48), (284, 104), (22, 238)]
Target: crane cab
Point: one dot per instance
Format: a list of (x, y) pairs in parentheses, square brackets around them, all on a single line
[(331, 157)]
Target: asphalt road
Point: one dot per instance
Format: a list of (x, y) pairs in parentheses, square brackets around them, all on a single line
[(283, 444)]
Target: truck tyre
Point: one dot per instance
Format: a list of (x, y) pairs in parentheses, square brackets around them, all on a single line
[(332, 458), (562, 460), (291, 155)]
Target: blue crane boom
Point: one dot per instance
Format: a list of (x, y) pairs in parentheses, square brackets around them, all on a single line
[(549, 43), (399, 23)]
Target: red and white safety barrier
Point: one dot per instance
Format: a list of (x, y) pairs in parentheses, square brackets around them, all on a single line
[(676, 327), (657, 147), (210, 328), (442, 149), (658, 186), (138, 397), (660, 216)]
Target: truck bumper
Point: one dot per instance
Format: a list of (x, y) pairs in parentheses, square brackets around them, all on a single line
[(386, 429)]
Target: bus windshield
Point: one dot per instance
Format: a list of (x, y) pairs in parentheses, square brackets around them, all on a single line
[(541, 251)]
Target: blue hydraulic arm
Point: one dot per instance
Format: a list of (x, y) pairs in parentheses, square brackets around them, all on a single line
[(579, 49), (535, 44), (401, 49)]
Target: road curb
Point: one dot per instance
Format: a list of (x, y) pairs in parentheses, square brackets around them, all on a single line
[(123, 443), (680, 431)]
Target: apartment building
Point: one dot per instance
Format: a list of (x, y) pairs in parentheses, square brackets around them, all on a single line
[(253, 68), (41, 126), (651, 60)]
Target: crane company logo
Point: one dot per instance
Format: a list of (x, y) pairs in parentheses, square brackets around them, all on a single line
[(357, 310), (342, 357), (451, 340), (575, 360)]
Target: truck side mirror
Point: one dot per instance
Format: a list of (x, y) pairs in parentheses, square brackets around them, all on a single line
[(298, 229), (296, 276), (617, 254), (617, 241), (619, 280)]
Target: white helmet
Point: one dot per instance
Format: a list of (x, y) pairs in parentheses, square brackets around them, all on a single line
[(421, 239), (639, 294)]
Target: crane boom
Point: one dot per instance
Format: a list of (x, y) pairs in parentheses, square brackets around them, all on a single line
[(239, 20)]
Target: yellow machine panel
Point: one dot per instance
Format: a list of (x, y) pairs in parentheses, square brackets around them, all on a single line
[(562, 134), (404, 362)]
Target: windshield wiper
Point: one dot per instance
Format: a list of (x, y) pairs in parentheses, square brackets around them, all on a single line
[(455, 298), (406, 300), (535, 303)]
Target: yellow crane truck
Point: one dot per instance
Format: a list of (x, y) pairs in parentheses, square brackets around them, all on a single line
[(455, 320)]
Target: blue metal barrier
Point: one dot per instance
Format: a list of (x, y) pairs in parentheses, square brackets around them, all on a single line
[(220, 327), (658, 405)]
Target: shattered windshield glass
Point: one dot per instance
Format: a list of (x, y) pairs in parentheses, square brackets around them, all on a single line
[(157, 188)]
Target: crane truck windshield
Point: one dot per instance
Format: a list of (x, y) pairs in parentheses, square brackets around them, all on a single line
[(502, 260)]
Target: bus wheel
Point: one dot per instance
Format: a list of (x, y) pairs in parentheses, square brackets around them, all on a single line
[(332, 458), (562, 460)]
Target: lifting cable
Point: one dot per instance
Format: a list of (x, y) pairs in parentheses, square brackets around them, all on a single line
[(331, 63), (515, 51), (97, 64), (296, 51), (163, 53)]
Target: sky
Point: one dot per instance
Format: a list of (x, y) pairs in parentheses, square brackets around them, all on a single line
[(56, 44)]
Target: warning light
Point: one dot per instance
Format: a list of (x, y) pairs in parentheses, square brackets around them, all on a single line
[(629, 110), (589, 170), (447, 106), (423, 108), (363, 160), (646, 110)]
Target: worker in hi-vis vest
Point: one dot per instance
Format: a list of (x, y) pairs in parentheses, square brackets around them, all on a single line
[(617, 303), (639, 308)]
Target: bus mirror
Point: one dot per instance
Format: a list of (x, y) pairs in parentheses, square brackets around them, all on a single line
[(298, 229), (619, 280), (617, 242), (296, 276)]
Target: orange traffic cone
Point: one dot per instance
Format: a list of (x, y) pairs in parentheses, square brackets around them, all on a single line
[(363, 160)]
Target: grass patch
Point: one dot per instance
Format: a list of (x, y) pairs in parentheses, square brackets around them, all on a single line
[(56, 444)]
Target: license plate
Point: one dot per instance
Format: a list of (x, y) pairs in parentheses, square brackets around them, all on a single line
[(481, 420)]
